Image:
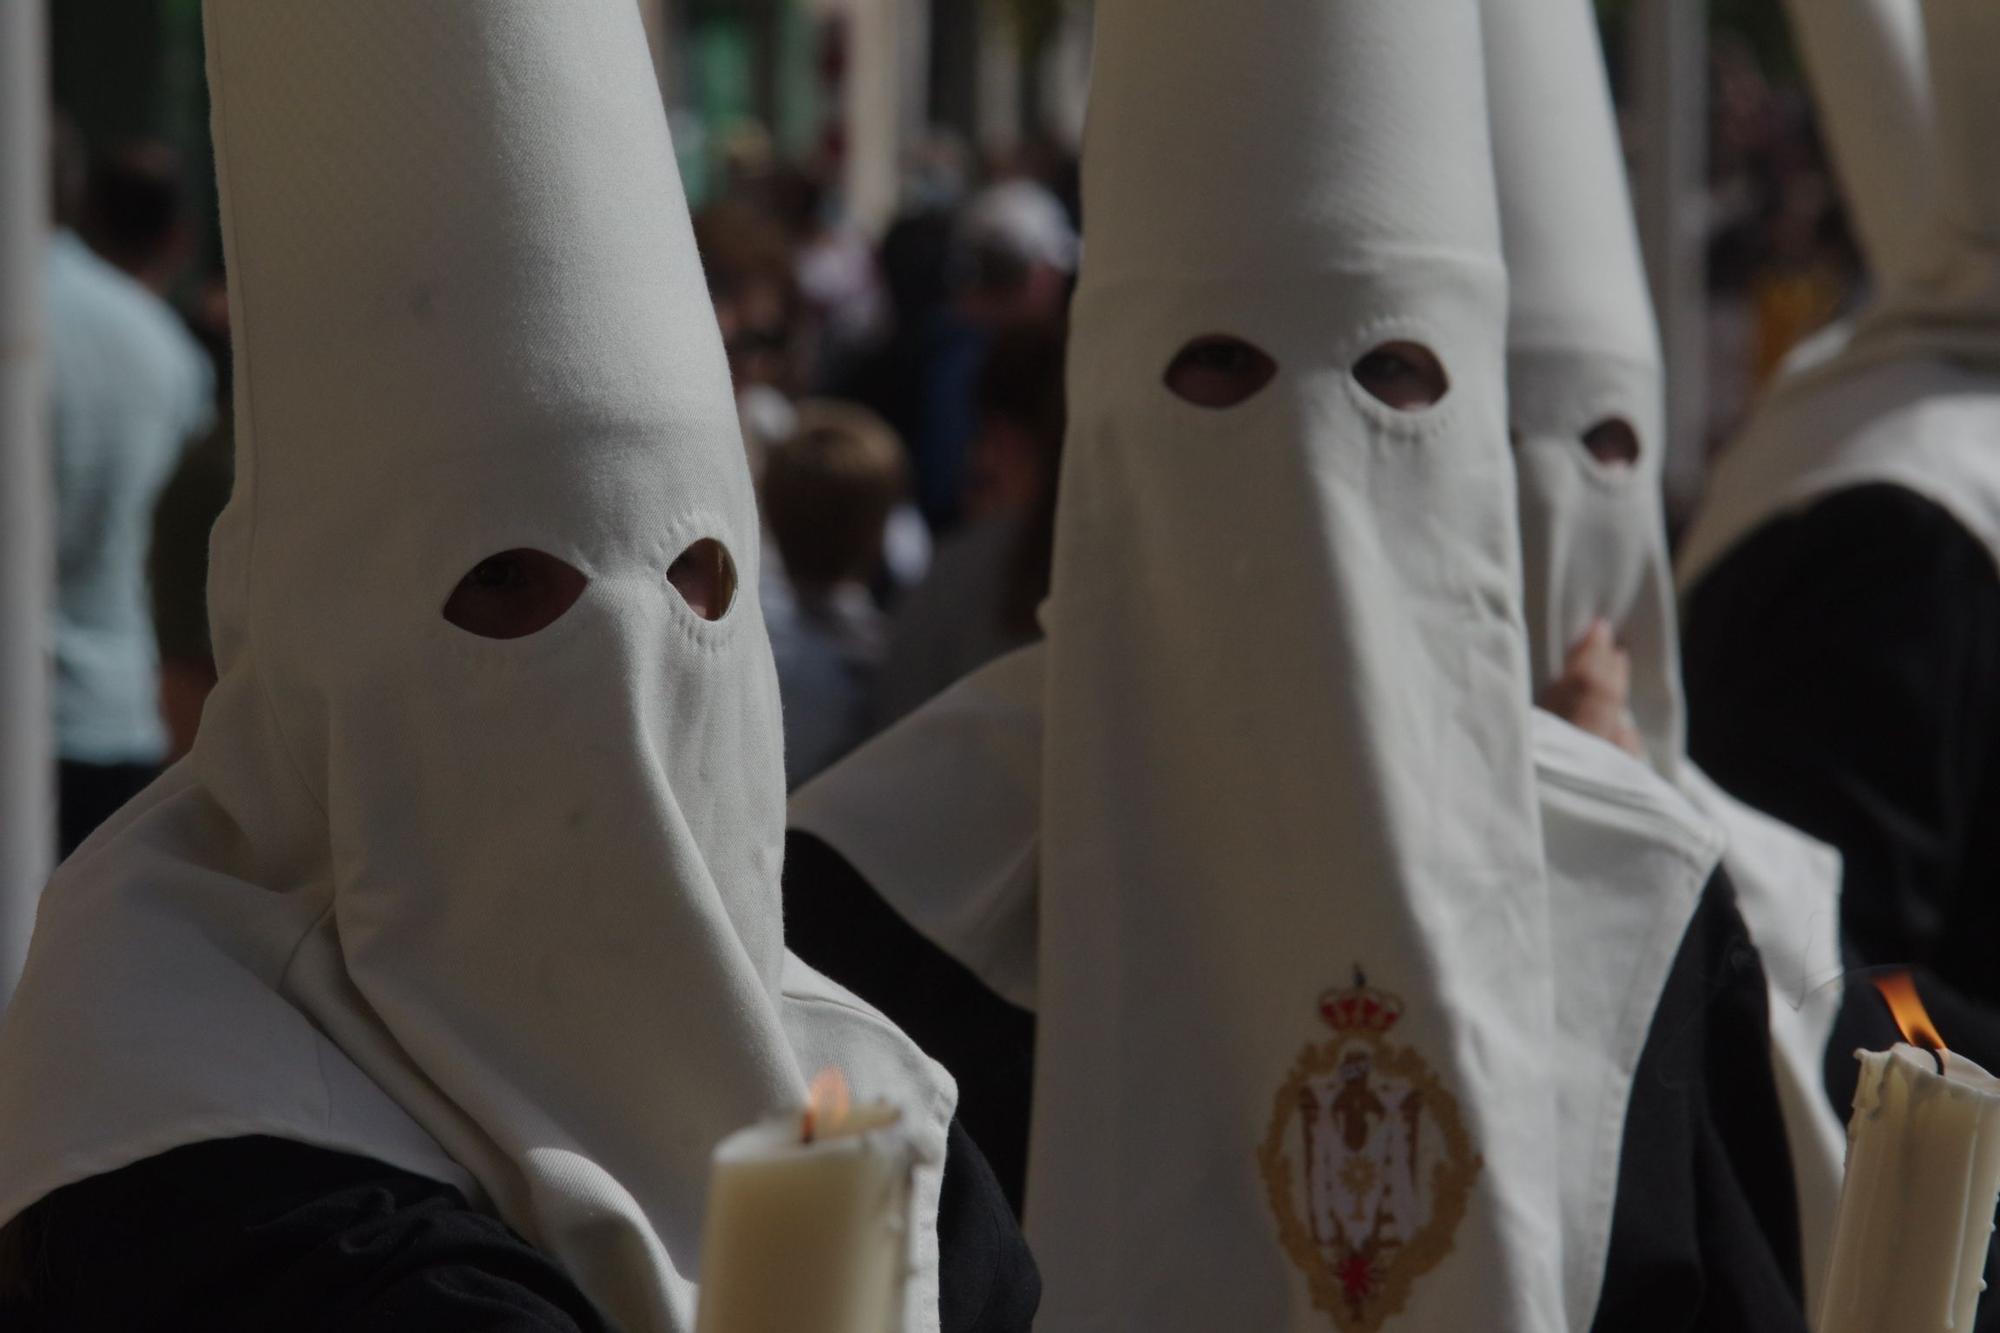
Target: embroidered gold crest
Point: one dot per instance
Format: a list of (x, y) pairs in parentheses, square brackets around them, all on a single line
[(1367, 1162)]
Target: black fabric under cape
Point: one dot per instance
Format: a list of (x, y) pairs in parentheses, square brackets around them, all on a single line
[(1843, 674), (1705, 1228), (837, 923), (255, 1235), (1705, 1231)]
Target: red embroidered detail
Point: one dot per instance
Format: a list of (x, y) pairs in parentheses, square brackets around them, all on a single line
[(1357, 1279)]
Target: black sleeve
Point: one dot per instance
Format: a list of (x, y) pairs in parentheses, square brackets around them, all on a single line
[(837, 923), (1841, 670), (987, 1280), (1704, 1232), (258, 1234)]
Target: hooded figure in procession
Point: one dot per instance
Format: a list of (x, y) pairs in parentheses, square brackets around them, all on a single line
[(1842, 596), (1585, 403), (1283, 715), (421, 992), (1279, 847), (1858, 515)]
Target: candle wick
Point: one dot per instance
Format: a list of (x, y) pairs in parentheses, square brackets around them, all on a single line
[(1937, 1055)]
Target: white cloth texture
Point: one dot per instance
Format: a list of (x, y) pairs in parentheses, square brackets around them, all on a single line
[(129, 390), (1628, 859), (1583, 349), (1908, 393), (503, 912)]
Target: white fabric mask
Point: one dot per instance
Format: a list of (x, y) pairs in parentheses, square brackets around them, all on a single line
[(1287, 723), (1906, 393), (1583, 350), (505, 909)]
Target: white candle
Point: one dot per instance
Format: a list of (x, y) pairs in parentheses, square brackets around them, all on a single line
[(808, 1234), (1916, 1209)]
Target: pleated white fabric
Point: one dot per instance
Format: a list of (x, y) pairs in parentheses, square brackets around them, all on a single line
[(1583, 350), (502, 912), (1628, 859), (1908, 394)]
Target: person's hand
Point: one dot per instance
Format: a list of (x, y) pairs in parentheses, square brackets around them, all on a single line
[(1594, 689)]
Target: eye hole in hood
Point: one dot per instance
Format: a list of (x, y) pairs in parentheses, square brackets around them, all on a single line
[(1219, 371), (1405, 375), (705, 577), (513, 594), (1613, 443)]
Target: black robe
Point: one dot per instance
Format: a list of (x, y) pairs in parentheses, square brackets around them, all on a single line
[(1705, 1227), (255, 1235), (1843, 673)]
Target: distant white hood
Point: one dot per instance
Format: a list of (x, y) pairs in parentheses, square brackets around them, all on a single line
[(1909, 393)]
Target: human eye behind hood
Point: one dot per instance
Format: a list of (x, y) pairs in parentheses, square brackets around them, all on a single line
[(705, 577), (1218, 371), (515, 593), (1613, 443), (1405, 375), (512, 594)]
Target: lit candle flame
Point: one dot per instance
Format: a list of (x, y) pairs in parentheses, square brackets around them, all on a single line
[(827, 1104), (1900, 990)]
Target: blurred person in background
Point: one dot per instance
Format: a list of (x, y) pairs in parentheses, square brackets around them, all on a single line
[(1781, 260), (1014, 258), (834, 269), (129, 388), (1007, 258), (988, 578), (177, 578), (747, 260), (777, 343), (135, 213), (828, 490)]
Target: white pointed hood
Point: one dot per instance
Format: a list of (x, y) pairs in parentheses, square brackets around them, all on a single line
[(1911, 396), (1582, 350), (1287, 723), (503, 911), (1582, 353), (1871, 86)]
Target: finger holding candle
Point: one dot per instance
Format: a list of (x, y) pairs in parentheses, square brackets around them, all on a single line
[(1923, 1175)]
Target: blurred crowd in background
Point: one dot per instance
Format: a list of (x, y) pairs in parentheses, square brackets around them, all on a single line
[(901, 397)]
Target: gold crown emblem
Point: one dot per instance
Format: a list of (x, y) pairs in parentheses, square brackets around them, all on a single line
[(1360, 1007)]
